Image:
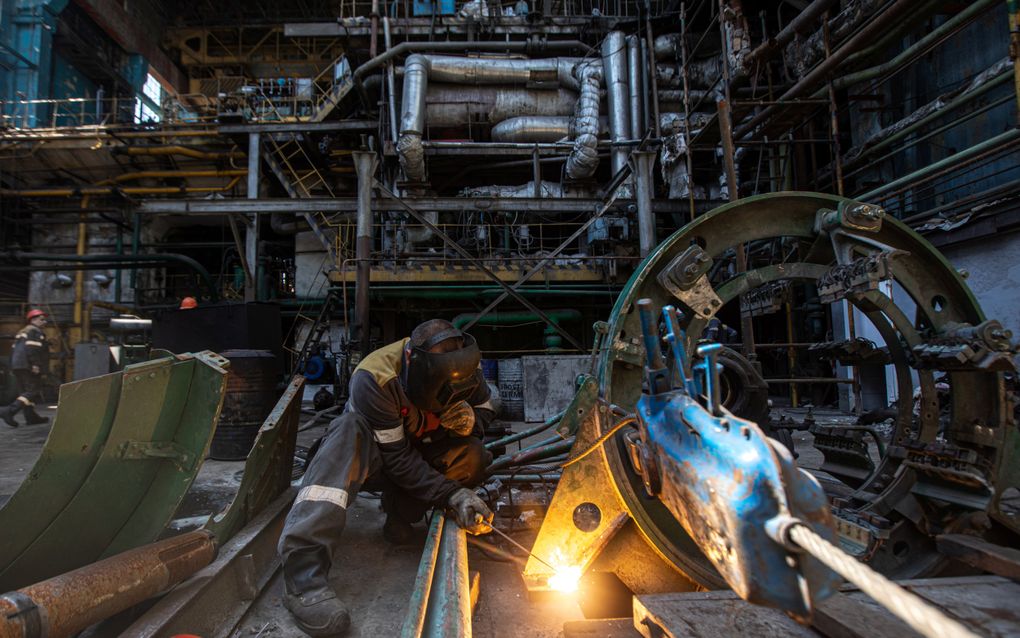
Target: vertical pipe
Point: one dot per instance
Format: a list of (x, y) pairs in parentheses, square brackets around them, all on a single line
[(365, 163), (136, 241), (614, 69), (117, 283), (373, 43), (644, 89), (643, 162), (79, 285), (251, 237), (391, 82), (654, 93), (726, 135), (1013, 6), (536, 172), (687, 109), (791, 353), (634, 84)]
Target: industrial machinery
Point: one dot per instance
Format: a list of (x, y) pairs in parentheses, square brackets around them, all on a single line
[(954, 474)]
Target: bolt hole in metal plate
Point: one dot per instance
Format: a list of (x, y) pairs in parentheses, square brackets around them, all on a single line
[(587, 517), (794, 247)]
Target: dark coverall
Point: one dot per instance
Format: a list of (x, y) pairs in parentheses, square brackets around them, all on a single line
[(384, 442), (30, 350)]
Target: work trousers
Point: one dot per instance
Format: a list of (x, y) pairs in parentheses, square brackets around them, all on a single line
[(347, 460), (29, 386)]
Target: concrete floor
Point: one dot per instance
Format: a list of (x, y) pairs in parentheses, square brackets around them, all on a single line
[(373, 577)]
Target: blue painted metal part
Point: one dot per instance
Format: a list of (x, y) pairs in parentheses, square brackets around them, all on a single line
[(725, 481)]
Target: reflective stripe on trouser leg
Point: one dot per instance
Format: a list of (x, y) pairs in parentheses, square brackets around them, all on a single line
[(311, 534)]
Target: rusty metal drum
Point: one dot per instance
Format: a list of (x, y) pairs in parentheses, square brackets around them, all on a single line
[(250, 397)]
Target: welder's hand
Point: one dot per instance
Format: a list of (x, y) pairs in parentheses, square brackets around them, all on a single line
[(35, 370), (459, 419), (471, 512)]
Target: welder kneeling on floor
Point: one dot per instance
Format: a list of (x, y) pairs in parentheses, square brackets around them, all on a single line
[(412, 428)]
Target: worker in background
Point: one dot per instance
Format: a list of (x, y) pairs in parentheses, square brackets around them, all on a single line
[(188, 303), (413, 427), (29, 359)]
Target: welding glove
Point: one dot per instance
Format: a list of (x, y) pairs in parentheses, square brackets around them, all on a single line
[(470, 511), (459, 419)]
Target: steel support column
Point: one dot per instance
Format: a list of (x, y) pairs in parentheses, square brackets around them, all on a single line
[(365, 163), (251, 235), (642, 163)]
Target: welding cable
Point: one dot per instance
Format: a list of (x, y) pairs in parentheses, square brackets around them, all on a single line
[(920, 615), (520, 436), (537, 454), (599, 441)]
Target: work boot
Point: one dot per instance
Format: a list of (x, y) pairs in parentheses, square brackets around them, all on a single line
[(319, 613), (397, 532), (7, 413), (309, 598), (34, 418)]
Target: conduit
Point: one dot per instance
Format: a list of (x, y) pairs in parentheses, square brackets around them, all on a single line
[(178, 150)]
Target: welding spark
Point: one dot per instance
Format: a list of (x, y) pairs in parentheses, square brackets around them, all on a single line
[(565, 579)]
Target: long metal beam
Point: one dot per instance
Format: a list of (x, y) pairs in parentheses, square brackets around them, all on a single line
[(299, 127), (478, 263), (384, 203)]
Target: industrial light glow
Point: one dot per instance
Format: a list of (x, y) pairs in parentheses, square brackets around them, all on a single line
[(565, 579)]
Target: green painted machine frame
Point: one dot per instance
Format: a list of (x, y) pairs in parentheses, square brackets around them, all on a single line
[(600, 518)]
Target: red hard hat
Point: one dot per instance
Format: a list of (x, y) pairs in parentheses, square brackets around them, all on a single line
[(188, 302), (33, 313)]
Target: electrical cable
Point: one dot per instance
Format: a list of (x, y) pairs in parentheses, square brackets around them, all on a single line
[(599, 441)]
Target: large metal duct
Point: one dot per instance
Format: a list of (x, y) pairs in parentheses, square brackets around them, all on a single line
[(584, 158), (456, 105), (634, 77), (419, 69), (532, 128), (614, 65), (540, 128)]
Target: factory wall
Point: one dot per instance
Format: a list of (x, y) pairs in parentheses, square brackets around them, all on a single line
[(993, 267)]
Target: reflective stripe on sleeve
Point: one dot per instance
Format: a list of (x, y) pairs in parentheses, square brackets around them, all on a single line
[(29, 342), (333, 495), (389, 436)]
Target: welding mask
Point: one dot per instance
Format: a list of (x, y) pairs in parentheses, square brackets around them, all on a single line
[(435, 380)]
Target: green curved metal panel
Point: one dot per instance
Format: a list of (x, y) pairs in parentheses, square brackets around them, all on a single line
[(165, 416), (80, 429)]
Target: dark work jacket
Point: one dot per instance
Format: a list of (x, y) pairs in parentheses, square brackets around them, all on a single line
[(377, 394), (30, 349)]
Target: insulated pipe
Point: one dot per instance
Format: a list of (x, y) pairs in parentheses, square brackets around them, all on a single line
[(532, 128), (420, 69), (106, 259), (391, 82), (177, 150), (801, 24), (458, 105), (614, 67), (365, 163), (584, 157), (66, 604), (634, 85), (665, 46), (643, 161)]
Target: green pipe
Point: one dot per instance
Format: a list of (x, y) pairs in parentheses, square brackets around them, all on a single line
[(127, 259), (463, 319), (905, 57), (1002, 78), (1001, 139)]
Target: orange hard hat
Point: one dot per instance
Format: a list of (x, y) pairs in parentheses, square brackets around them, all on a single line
[(188, 303), (33, 313)]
